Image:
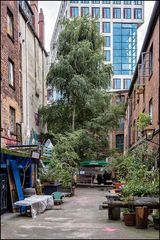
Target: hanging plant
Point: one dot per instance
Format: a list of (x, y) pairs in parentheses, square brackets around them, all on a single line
[(139, 88), (143, 121)]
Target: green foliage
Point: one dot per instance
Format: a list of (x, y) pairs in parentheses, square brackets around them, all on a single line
[(137, 169), (143, 121), (64, 159), (129, 210), (82, 78), (156, 215)]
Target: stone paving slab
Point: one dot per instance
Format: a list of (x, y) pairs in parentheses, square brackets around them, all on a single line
[(79, 218)]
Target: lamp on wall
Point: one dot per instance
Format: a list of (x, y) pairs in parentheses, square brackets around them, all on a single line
[(149, 133)]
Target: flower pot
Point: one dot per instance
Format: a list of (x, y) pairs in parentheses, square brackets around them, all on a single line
[(114, 213), (156, 222), (50, 188), (130, 219)]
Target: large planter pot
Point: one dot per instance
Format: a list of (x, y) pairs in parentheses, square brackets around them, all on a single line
[(114, 213), (156, 222), (49, 188), (130, 219)]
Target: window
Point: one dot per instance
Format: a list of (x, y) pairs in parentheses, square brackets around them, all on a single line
[(107, 41), (95, 2), (107, 55), (151, 60), (138, 13), (106, 2), (106, 27), (84, 11), (106, 12), (120, 99), (116, 2), (127, 13), (116, 13), (95, 12), (85, 1), (12, 120), (116, 83), (138, 2), (120, 142), (10, 23), (121, 124), (74, 12), (127, 2), (151, 110), (127, 83), (10, 72)]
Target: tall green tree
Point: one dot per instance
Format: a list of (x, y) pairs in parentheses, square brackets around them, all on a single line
[(82, 79)]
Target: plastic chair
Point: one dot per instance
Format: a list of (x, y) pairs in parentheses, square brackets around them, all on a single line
[(57, 197)]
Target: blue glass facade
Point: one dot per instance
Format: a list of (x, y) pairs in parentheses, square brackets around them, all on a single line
[(124, 48)]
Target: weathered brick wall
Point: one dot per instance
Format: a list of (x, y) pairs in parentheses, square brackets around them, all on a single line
[(121, 132), (152, 85), (9, 49)]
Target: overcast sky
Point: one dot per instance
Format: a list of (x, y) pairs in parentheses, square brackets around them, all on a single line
[(50, 10)]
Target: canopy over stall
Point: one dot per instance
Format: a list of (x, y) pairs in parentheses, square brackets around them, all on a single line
[(96, 163)]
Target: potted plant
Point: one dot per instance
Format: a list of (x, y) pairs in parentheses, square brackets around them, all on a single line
[(129, 215), (143, 121), (139, 88), (156, 220)]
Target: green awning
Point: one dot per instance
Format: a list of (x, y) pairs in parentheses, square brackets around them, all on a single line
[(98, 163)]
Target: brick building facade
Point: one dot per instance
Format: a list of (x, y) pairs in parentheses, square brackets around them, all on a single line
[(147, 74), (23, 71), (11, 85), (117, 135)]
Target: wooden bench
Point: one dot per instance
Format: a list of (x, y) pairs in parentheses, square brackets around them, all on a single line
[(114, 205)]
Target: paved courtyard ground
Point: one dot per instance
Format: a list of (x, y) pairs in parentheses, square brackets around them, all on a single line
[(79, 218)]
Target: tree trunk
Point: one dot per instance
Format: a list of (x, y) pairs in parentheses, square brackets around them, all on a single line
[(73, 117)]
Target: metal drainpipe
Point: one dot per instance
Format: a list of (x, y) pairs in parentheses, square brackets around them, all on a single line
[(129, 124), (27, 104)]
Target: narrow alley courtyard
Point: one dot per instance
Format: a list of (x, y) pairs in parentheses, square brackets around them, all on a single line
[(78, 218)]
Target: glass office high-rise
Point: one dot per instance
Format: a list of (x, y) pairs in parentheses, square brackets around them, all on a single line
[(118, 22)]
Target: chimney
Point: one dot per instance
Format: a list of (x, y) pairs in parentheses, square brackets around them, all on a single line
[(34, 6), (41, 27)]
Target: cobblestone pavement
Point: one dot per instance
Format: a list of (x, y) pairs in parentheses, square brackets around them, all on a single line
[(79, 218)]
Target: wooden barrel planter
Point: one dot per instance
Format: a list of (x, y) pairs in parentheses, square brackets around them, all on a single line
[(130, 218), (141, 217)]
